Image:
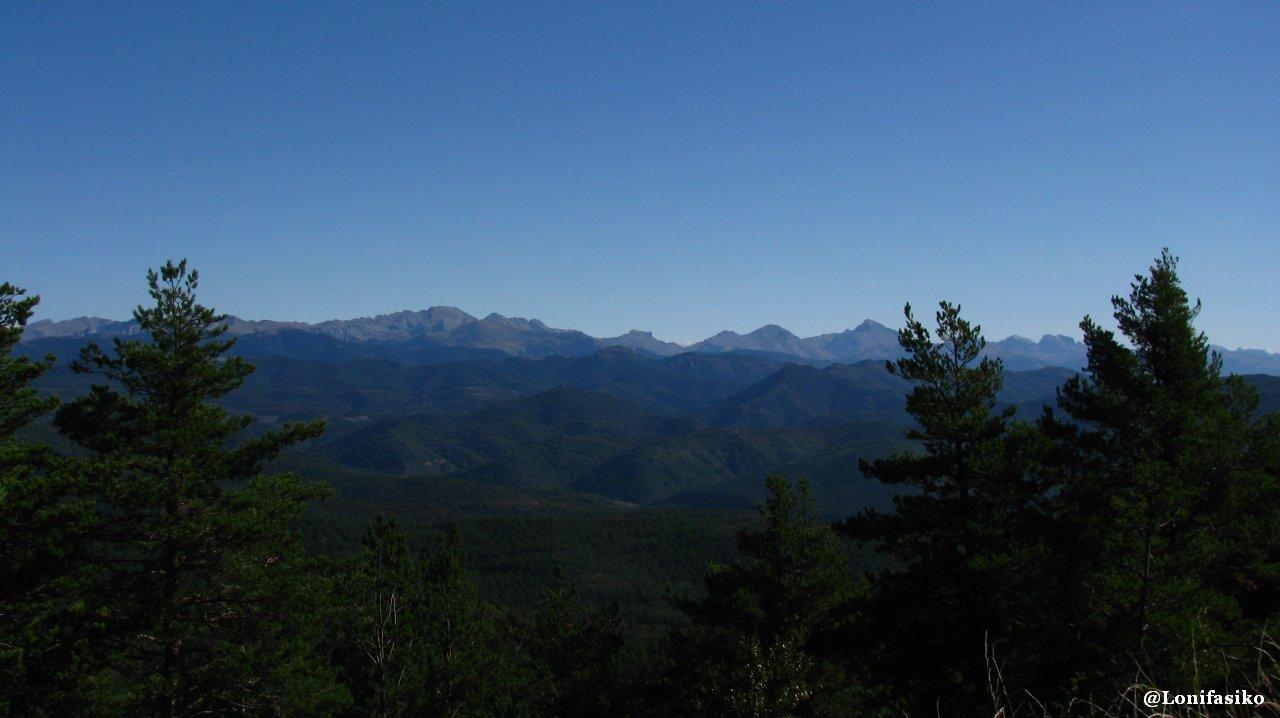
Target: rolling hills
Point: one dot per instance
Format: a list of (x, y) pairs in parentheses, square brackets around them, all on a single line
[(629, 425)]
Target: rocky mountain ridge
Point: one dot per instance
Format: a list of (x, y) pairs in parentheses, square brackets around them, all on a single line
[(448, 333)]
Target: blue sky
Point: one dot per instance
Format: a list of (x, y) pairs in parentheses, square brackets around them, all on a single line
[(683, 167)]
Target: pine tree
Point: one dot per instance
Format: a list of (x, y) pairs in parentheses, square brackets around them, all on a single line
[(412, 637), (46, 610), (577, 653), (19, 403), (466, 672), (379, 637), (966, 531), (764, 640), (1169, 488), (209, 594)]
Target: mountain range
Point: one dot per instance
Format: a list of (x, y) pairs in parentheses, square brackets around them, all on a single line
[(447, 334), (618, 424)]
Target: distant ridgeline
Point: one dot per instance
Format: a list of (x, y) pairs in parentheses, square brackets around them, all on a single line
[(513, 403), (447, 334)]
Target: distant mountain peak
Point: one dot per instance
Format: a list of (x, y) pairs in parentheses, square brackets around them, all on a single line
[(437, 312), (772, 330), (770, 338), (642, 341), (397, 326), (1058, 340)]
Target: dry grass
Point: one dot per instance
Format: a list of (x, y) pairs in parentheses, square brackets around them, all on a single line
[(1258, 676)]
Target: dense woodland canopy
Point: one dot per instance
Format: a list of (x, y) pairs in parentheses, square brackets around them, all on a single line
[(163, 554)]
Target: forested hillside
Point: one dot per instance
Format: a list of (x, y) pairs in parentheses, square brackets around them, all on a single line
[(191, 529), (693, 429)]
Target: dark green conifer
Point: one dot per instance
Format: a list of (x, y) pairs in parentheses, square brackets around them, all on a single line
[(47, 611), (1169, 491), (764, 640), (576, 652), (966, 532), (208, 598), (379, 641), (466, 672)]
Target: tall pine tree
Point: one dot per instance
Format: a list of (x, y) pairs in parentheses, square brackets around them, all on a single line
[(207, 589), (965, 532), (1170, 485)]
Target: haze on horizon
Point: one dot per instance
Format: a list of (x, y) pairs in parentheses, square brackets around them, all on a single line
[(667, 167)]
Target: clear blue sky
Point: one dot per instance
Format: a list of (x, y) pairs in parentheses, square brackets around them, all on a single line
[(682, 167)]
